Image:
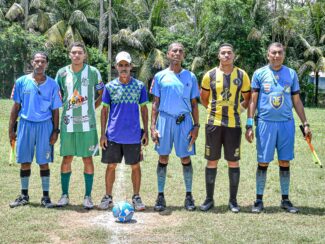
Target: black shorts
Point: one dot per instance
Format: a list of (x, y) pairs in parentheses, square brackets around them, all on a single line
[(115, 152), (218, 136)]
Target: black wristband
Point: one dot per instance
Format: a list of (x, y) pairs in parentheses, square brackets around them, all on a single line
[(248, 127), (306, 125), (196, 125), (57, 130)]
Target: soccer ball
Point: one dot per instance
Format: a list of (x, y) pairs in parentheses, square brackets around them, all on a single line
[(123, 211)]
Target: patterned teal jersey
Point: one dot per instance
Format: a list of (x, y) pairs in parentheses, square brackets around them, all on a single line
[(78, 97)]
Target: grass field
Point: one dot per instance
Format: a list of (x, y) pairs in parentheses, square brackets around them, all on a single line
[(33, 224)]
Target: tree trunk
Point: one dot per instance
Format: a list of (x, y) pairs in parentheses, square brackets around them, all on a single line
[(101, 37), (109, 51), (316, 87), (26, 10)]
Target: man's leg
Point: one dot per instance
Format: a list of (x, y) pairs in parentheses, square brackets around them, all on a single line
[(45, 177), (107, 200), (23, 199), (284, 172), (210, 178), (261, 174), (65, 180), (89, 179), (234, 176), (136, 181), (188, 179), (161, 180)]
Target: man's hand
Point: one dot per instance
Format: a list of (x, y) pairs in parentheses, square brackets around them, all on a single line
[(103, 142), (144, 139), (308, 135), (193, 135), (155, 136), (12, 136), (249, 135), (53, 138)]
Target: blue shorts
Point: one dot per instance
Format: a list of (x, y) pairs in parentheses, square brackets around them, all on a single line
[(31, 135), (275, 135), (170, 133)]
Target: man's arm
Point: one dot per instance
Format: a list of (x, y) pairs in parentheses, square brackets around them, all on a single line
[(99, 99), (195, 115), (13, 118), (144, 117), (297, 104), (205, 94), (247, 97), (154, 116), (250, 115), (103, 121), (55, 120)]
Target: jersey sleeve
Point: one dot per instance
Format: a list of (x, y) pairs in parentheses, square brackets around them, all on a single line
[(16, 96), (155, 87), (56, 98), (195, 87), (106, 98), (255, 82), (295, 89), (143, 96), (100, 84), (206, 82), (246, 83)]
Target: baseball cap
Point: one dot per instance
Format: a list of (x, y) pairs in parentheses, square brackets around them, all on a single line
[(123, 56)]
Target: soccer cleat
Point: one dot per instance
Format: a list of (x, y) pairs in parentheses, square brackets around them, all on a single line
[(106, 202), (137, 203), (160, 203), (287, 205), (20, 201), (233, 207), (64, 201), (208, 203), (258, 206), (189, 203), (88, 203), (46, 202)]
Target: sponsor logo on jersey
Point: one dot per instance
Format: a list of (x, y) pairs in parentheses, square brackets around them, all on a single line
[(76, 100), (267, 87), (226, 95), (287, 89), (237, 82), (84, 81), (276, 100)]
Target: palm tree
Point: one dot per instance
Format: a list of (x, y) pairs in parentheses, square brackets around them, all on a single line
[(71, 22), (314, 44)]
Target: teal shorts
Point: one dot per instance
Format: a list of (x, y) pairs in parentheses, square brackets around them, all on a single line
[(80, 144)]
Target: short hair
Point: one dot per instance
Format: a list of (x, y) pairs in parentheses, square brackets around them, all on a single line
[(42, 54), (275, 44), (77, 44), (173, 44), (226, 45)]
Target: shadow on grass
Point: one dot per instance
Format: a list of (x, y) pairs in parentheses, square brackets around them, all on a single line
[(220, 209)]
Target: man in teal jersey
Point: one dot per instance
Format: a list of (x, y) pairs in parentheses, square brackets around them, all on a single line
[(37, 101), (78, 83)]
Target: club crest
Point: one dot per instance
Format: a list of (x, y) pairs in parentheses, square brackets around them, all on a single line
[(276, 100), (237, 82)]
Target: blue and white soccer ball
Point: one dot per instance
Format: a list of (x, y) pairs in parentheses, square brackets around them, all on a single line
[(123, 211)]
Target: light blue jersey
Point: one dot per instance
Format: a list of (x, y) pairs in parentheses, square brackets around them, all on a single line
[(275, 91), (37, 101), (175, 91)]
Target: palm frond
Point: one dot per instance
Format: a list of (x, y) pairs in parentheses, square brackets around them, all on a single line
[(56, 33), (197, 63), (254, 35), (43, 21), (71, 35), (37, 4), (320, 65), (307, 66), (313, 51), (145, 36), (77, 17), (14, 12), (124, 37)]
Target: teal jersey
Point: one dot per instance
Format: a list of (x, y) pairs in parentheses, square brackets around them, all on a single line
[(78, 97)]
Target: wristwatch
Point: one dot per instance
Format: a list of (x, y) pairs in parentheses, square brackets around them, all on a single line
[(196, 125), (248, 127), (57, 130)]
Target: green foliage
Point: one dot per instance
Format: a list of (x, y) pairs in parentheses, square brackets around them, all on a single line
[(16, 50), (58, 57), (99, 61)]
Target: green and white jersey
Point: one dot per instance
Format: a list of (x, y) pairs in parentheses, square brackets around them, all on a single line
[(78, 97)]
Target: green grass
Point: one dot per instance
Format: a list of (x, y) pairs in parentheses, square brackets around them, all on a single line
[(32, 224)]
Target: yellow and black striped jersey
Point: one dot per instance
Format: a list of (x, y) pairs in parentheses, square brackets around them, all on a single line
[(225, 94)]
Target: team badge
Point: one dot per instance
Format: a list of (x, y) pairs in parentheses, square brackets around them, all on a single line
[(277, 100), (226, 95), (207, 151), (92, 148), (66, 120), (84, 81), (287, 89), (237, 82), (237, 152)]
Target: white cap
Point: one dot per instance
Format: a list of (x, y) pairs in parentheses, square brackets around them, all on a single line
[(123, 56)]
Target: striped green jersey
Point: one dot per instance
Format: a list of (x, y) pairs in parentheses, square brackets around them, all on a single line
[(78, 97)]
